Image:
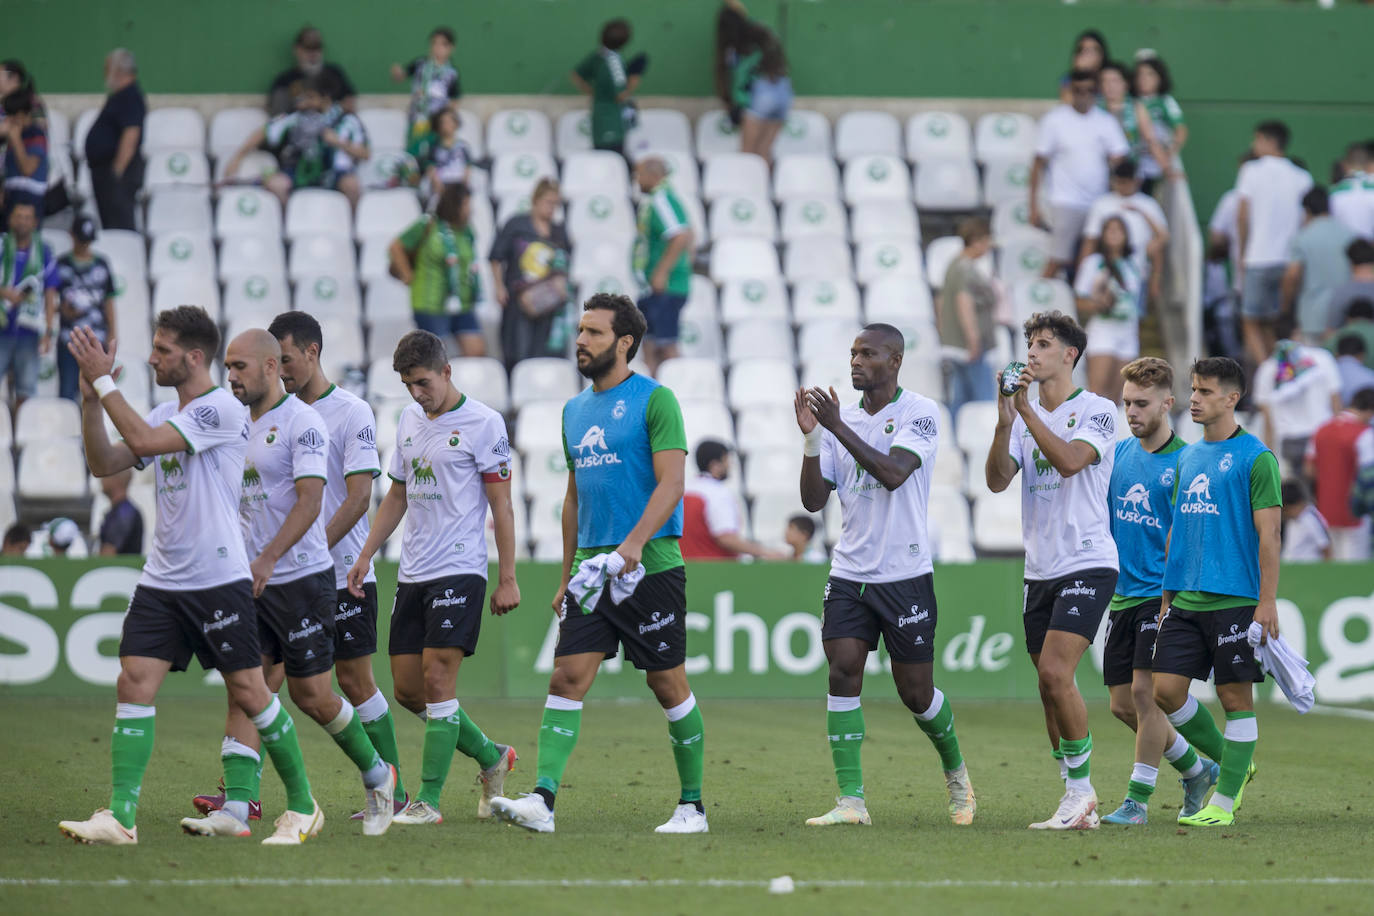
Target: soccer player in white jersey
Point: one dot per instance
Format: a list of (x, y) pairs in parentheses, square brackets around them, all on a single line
[(452, 461), (283, 480), (1065, 442), (194, 595), (878, 454)]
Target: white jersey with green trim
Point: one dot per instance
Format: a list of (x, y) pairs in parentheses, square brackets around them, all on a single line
[(1066, 522), (352, 430), (196, 543), (286, 444), (883, 536), (445, 463)]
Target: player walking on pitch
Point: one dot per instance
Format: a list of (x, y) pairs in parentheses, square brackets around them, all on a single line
[(195, 593), (1065, 441), (1141, 505), (284, 475), (622, 517), (878, 454), (452, 461), (1222, 575)]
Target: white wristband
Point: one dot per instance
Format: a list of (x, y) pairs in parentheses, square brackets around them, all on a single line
[(104, 385), (812, 448)]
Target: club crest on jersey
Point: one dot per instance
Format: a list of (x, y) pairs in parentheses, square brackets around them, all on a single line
[(1073, 421), (454, 438), (1226, 462), (618, 411), (271, 435), (888, 427), (1167, 478)]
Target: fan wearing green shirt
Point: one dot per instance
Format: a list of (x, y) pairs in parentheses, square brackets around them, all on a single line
[(662, 259), (434, 256), (610, 82)]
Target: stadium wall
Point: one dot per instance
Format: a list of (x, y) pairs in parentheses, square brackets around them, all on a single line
[(754, 631), (1233, 65)]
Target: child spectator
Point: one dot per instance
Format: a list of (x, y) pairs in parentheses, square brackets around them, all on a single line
[(800, 536), (1359, 323), (26, 155), (610, 82), (1297, 389), (62, 534), (440, 157), (17, 539), (85, 299), (1152, 85), (1351, 354), (1109, 287), (1317, 267), (1306, 538), (1147, 228), (434, 83)]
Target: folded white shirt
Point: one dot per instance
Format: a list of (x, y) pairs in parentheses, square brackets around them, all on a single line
[(594, 572), (1280, 662)]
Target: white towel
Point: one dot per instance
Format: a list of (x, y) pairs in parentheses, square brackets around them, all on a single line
[(594, 572), (1280, 662)]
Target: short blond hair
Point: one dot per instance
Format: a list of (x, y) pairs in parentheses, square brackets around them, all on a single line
[(1149, 372)]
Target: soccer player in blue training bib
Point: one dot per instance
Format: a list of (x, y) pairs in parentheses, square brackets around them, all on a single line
[(1222, 574), (623, 577), (1140, 499), (878, 454)]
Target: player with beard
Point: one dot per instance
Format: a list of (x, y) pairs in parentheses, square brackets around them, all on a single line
[(623, 577)]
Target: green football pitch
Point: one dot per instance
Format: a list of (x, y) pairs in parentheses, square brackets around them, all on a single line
[(1303, 843)]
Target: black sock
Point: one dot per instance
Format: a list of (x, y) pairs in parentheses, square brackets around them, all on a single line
[(546, 795), (701, 809)]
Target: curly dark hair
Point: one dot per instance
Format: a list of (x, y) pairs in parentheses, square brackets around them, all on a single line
[(628, 320), (193, 329), (1063, 327)]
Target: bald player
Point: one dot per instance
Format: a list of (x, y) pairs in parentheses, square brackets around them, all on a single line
[(284, 475)]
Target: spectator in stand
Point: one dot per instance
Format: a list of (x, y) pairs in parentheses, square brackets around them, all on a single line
[(712, 526), (26, 155), (1306, 537), (319, 146), (112, 145), (751, 78), (1297, 389), (1268, 215), (1360, 285), (284, 95), (1333, 463), (1147, 229), (1351, 354), (1109, 287), (1318, 266), (1116, 99), (1089, 54), (121, 531), (440, 157), (435, 257), (662, 259), (1220, 321), (1078, 143), (1352, 197), (800, 536), (434, 83), (85, 299), (1168, 131), (28, 294), (611, 83), (529, 266), (1359, 323), (62, 534), (17, 539), (966, 320), (14, 77)]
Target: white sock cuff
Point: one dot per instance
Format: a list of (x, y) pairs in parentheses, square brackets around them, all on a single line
[(680, 710), (842, 704), (1143, 772), (373, 708), (1246, 729), (231, 747), (1177, 749), (937, 700), (442, 710), (340, 722), (1184, 712), (268, 716), (556, 702), (134, 711)]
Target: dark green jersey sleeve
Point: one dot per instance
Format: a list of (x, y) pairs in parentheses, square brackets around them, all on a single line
[(587, 68), (663, 416), (1265, 482)]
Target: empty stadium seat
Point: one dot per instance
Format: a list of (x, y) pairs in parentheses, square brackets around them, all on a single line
[(384, 384), (818, 257), (773, 471), (885, 219), (385, 214), (254, 168), (484, 379), (814, 216), (516, 173), (170, 168), (321, 254), (816, 299), (893, 257), (327, 295), (595, 172), (539, 425), (761, 382), (707, 420), (659, 129), (544, 472), (519, 130), (52, 469), (59, 133), (316, 211), (759, 338), (249, 255), (870, 178), (951, 528), (42, 419), (1011, 217), (806, 133), (230, 128), (938, 135), (543, 379), (1005, 179), (743, 259), (248, 211), (770, 512), (804, 175), (867, 133), (761, 297), (185, 288), (715, 135), (822, 342), (946, 184), (386, 127), (997, 522), (343, 345), (735, 173), (1022, 257), (179, 252), (604, 261), (768, 426), (682, 170), (974, 425), (600, 217), (693, 379), (827, 373), (470, 132), (737, 215), (949, 461), (696, 219), (178, 209), (573, 133), (1004, 135), (921, 370), (699, 331), (173, 128)]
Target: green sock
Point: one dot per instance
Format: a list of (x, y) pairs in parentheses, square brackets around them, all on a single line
[(278, 735), (240, 783), (557, 738), (382, 733), (1195, 723), (845, 729), (441, 735), (939, 728), (131, 747), (1078, 755), (1242, 731), (348, 733), (1186, 762), (473, 743), (688, 737), (255, 788), (1142, 784)]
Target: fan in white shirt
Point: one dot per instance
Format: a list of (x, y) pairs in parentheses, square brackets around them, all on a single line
[(1147, 229)]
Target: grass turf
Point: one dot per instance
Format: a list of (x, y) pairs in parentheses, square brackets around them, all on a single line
[(1306, 819)]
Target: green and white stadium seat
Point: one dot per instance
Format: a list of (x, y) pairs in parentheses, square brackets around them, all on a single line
[(600, 216), (806, 133), (1004, 135), (318, 211), (766, 427), (186, 288), (756, 297), (171, 168), (816, 299), (41, 419), (79, 132), (1005, 179), (734, 173), (514, 174), (384, 214), (539, 425), (693, 379), (817, 257), (880, 258), (946, 184), (813, 215), (826, 341), (327, 295), (231, 127), (519, 130), (545, 378), (595, 172), (772, 471), (805, 175), (715, 135), (573, 133), (707, 420), (659, 129), (321, 254), (951, 527), (173, 129), (938, 135), (759, 338), (743, 259), (741, 216), (867, 133), (256, 166), (1022, 257), (997, 522), (877, 178), (181, 252), (385, 127), (885, 219), (250, 255), (179, 208), (760, 382)]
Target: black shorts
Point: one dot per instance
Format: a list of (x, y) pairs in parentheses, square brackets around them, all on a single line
[(651, 623), (355, 623), (1130, 642), (903, 612), (296, 624), (1197, 643), (1074, 603), (438, 614), (218, 625)]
